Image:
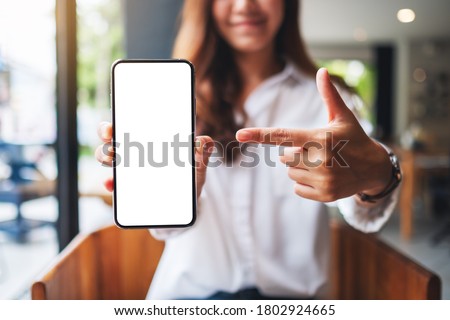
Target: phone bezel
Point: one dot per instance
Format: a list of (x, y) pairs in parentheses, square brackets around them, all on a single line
[(193, 132)]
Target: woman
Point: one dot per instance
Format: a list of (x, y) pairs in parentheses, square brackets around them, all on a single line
[(262, 231)]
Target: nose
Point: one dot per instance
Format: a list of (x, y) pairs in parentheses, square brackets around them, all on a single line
[(244, 5)]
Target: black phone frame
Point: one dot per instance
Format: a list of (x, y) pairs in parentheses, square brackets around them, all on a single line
[(193, 132)]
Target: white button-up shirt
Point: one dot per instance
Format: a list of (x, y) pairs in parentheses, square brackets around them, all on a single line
[(252, 230)]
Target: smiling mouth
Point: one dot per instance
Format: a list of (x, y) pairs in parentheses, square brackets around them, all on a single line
[(248, 23)]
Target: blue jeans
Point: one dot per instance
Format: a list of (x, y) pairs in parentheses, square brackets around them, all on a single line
[(249, 294)]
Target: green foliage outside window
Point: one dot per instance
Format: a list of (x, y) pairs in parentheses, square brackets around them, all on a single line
[(100, 42), (359, 75)]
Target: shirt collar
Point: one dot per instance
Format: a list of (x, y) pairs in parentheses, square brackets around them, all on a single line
[(289, 72)]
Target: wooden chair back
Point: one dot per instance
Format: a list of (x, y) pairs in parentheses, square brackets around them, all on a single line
[(110, 263), (364, 267), (116, 264)]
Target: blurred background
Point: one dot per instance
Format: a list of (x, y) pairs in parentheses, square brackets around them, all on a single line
[(55, 58)]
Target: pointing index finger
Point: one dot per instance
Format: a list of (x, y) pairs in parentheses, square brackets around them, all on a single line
[(275, 136)]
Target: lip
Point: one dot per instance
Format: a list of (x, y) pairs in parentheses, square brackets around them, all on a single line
[(249, 23)]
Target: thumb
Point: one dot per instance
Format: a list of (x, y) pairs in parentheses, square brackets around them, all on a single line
[(330, 96)]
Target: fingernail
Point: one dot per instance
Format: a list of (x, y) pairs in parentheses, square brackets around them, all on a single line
[(244, 135), (325, 71), (210, 149)]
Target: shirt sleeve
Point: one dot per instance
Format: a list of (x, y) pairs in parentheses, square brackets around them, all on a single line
[(164, 234), (368, 219), (167, 233)]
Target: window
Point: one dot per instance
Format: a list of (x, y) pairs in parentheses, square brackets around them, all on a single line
[(27, 134), (100, 43), (359, 75)]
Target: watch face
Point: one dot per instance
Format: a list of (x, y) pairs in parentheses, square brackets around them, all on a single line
[(396, 166)]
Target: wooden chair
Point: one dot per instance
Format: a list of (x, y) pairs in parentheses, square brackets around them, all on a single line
[(110, 263), (364, 267), (119, 264)]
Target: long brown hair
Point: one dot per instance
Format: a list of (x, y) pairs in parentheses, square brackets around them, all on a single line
[(217, 77)]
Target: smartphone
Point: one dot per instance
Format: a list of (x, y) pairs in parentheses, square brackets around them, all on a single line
[(153, 118)]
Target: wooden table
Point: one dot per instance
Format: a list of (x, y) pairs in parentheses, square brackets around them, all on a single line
[(18, 189)]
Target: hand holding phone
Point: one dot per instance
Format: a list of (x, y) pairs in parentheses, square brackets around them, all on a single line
[(203, 149)]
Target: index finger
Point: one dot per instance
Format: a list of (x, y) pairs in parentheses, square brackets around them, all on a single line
[(275, 136)]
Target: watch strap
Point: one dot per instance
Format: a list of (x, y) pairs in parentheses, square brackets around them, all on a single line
[(396, 178)]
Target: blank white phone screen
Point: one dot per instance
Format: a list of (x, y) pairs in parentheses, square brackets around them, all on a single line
[(153, 124)]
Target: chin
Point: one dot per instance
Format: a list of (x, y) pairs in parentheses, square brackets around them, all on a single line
[(250, 46)]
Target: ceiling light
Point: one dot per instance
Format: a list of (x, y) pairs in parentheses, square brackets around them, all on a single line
[(360, 34), (406, 15), (419, 75)]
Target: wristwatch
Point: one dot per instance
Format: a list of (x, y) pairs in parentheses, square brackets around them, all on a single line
[(393, 184)]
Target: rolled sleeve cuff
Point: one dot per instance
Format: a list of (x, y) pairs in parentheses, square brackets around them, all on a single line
[(368, 219)]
